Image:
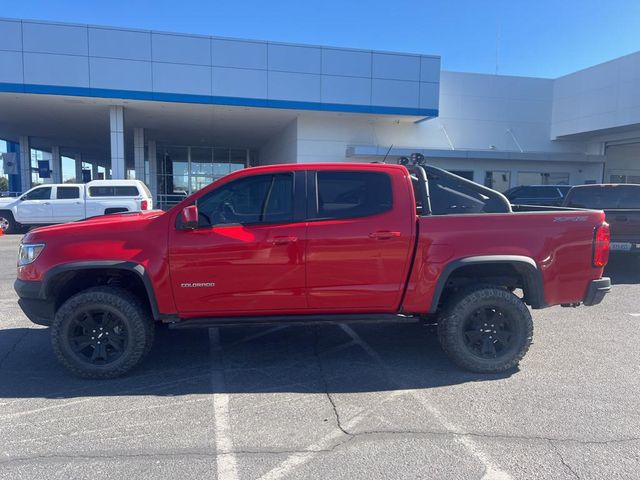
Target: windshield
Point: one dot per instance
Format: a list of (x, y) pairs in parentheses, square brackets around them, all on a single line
[(609, 197)]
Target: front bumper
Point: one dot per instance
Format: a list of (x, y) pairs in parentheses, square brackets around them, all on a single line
[(35, 306), (597, 290)]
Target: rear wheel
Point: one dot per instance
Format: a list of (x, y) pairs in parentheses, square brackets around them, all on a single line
[(102, 332), (486, 330), (8, 223)]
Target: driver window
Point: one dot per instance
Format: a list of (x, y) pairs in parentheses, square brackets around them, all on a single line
[(249, 200), (43, 193)]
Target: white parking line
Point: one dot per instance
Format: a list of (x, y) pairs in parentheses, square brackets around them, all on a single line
[(634, 314), (225, 459), (492, 472)]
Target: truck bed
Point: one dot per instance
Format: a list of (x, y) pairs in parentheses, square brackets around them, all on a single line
[(558, 240)]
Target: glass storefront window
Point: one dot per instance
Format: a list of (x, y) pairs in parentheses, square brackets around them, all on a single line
[(199, 181), (184, 170), (36, 156), (201, 161)]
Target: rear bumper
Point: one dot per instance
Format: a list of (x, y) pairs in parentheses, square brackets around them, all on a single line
[(597, 290), (37, 308), (625, 245)]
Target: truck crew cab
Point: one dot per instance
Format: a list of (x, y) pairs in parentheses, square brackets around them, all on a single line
[(313, 243), (68, 202)]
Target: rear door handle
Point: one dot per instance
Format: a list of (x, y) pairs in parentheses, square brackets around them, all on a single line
[(621, 218), (383, 235), (284, 240), (46, 203)]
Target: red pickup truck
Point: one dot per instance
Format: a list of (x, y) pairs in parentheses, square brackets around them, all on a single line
[(309, 243)]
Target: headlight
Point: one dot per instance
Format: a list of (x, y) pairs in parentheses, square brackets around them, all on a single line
[(29, 252)]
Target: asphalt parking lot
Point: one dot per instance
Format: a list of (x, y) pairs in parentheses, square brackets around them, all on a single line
[(370, 401)]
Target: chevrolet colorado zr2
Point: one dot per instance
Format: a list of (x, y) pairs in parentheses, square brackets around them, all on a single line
[(310, 243)]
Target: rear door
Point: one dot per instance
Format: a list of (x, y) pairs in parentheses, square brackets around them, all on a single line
[(35, 206), (359, 239), (68, 204)]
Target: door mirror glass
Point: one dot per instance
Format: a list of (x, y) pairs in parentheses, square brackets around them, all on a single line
[(189, 218)]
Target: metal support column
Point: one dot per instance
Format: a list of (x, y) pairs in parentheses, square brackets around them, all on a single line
[(116, 122), (25, 163), (56, 165)]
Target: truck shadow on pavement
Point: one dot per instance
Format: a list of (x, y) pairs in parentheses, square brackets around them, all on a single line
[(623, 269), (314, 359)]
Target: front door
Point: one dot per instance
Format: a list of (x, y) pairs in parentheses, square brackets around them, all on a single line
[(247, 256), (359, 240), (35, 206)]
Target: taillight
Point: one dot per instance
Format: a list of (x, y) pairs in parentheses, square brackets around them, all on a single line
[(601, 241), (144, 205)]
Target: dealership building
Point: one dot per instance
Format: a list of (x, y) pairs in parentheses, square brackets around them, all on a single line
[(180, 110)]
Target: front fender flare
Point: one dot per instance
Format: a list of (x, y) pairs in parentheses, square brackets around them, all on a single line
[(49, 277)]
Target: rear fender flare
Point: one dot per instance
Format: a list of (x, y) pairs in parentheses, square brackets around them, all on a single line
[(526, 266)]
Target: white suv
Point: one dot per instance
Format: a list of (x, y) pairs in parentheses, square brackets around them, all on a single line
[(67, 202)]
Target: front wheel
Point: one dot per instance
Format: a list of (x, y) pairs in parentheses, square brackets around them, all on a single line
[(486, 330), (7, 223), (102, 332)]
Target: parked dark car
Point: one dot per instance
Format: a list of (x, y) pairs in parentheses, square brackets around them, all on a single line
[(537, 194), (621, 204)]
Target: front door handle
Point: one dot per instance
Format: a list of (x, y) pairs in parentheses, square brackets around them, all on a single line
[(284, 240), (383, 235), (46, 203), (621, 218)]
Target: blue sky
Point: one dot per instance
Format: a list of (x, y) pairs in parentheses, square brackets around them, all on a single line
[(537, 37)]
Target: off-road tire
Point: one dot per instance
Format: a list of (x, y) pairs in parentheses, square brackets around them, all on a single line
[(453, 321), (139, 330)]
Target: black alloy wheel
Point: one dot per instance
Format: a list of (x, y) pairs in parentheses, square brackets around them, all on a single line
[(489, 332), (98, 335)]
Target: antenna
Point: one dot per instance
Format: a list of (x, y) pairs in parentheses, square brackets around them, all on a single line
[(384, 160)]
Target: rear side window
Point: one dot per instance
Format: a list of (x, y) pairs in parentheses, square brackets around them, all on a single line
[(352, 194), (66, 193), (249, 200), (605, 197), (114, 191), (126, 191)]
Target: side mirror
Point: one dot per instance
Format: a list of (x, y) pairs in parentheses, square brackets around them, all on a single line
[(189, 218)]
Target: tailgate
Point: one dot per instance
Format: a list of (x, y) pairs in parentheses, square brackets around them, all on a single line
[(624, 223)]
